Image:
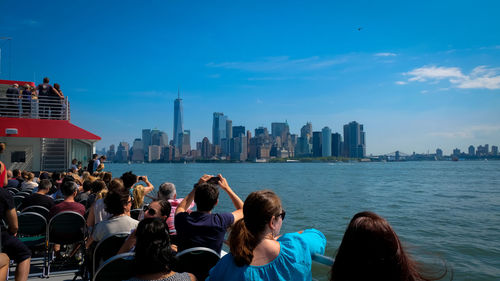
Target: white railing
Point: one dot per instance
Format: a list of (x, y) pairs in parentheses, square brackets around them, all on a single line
[(37, 108)]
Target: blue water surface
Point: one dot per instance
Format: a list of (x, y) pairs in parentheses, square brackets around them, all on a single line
[(443, 211)]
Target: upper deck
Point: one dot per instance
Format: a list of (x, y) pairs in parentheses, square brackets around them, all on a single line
[(32, 105)]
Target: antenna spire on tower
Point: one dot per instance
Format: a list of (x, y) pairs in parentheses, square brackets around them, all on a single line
[(178, 93)]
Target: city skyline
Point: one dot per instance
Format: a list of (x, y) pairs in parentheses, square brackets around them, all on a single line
[(417, 75)]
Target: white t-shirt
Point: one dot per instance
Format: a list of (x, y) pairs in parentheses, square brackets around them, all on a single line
[(114, 225)]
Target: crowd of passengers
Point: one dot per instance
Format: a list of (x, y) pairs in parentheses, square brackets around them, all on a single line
[(370, 249), (22, 101)]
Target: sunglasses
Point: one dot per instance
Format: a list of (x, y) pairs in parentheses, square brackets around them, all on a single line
[(282, 215), (149, 210)]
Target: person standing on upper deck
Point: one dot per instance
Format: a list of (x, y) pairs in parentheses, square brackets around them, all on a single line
[(48, 94), (203, 228)]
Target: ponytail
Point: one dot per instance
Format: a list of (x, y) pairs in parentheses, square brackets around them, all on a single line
[(242, 243)]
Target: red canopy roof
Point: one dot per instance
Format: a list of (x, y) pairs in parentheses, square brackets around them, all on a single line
[(43, 128), (20, 83)]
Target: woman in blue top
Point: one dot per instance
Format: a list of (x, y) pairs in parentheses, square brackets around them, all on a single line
[(257, 250)]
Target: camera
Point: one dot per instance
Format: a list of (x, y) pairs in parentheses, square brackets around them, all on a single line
[(214, 180), (141, 178)]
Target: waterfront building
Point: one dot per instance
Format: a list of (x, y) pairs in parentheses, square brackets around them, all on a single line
[(138, 150), (218, 128), (154, 153), (472, 150), (155, 137), (354, 140), (306, 130), (336, 145), (482, 150), (167, 153), (110, 155), (239, 148), (261, 131), (303, 147), (163, 139), (281, 130), (206, 149), (146, 142), (439, 153), (122, 152), (178, 120), (186, 142), (316, 144), (237, 131), (494, 150), (229, 134), (326, 142), (456, 152)]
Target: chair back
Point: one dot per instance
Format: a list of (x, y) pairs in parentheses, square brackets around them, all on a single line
[(67, 227), (107, 248), (32, 228), (37, 209), (135, 213), (18, 200), (23, 193), (117, 268), (58, 200), (12, 190), (197, 260)]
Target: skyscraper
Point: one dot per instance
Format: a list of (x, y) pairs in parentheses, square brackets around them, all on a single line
[(138, 150), (178, 126), (336, 145), (306, 130), (218, 128), (146, 142), (354, 140), (326, 147), (238, 130), (280, 130), (317, 144)]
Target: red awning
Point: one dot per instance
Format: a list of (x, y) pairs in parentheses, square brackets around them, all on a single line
[(20, 83), (43, 128)]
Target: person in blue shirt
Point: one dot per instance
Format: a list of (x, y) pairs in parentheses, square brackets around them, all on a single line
[(258, 252)]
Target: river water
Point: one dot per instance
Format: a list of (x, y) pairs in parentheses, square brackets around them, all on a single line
[(443, 211)]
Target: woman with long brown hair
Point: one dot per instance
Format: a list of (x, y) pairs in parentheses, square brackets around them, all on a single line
[(258, 252), (371, 250)]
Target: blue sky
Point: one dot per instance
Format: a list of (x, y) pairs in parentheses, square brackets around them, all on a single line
[(418, 75)]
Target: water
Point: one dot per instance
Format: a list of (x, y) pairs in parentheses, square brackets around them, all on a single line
[(441, 210)]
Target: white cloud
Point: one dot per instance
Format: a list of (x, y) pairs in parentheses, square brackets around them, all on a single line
[(469, 132), (401, 82), (385, 55), (480, 77), (272, 64)]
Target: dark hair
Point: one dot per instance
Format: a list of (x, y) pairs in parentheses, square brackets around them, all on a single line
[(115, 184), (87, 185), (68, 188), (152, 250), (258, 210), (46, 80), (2, 147), (371, 250), (16, 173), (115, 201), (57, 86), (96, 186), (74, 161), (165, 207), (128, 179), (206, 196), (55, 177), (107, 177), (45, 184)]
